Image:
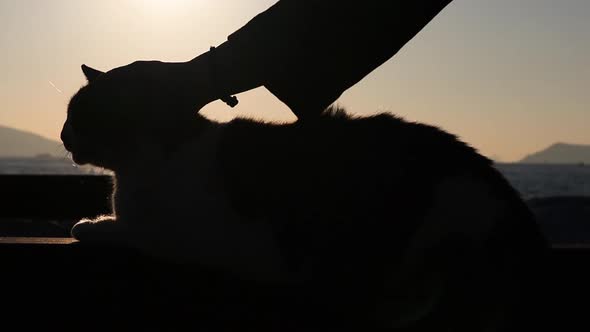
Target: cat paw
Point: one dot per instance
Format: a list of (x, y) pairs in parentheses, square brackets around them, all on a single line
[(104, 229)]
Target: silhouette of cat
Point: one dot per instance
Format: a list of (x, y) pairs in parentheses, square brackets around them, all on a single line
[(386, 220)]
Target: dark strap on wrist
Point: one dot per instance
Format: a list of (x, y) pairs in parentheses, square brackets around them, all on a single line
[(231, 101)]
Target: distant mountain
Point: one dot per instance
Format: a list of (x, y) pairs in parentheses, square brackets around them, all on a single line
[(18, 143), (560, 153)]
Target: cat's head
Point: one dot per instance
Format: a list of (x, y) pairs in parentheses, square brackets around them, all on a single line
[(112, 121)]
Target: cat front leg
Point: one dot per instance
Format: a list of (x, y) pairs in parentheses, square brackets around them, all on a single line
[(103, 229)]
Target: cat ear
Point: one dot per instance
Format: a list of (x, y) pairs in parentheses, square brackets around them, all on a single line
[(91, 73)]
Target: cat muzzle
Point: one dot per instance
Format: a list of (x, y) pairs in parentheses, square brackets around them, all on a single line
[(67, 137)]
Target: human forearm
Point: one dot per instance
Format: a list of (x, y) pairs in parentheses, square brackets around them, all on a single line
[(307, 52)]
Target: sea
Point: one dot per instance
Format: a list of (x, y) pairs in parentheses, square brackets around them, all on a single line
[(531, 180), (45, 165)]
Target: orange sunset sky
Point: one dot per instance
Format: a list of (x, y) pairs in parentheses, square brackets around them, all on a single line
[(510, 77)]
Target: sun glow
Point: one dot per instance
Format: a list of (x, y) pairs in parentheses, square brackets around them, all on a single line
[(171, 10), (164, 4)]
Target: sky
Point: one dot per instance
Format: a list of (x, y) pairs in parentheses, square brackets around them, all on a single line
[(509, 77)]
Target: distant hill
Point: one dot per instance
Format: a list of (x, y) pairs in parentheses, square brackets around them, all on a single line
[(18, 143), (560, 153)]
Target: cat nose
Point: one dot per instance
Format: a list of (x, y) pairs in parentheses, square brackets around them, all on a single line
[(67, 136)]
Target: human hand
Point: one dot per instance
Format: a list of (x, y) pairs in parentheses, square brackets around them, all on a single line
[(150, 87)]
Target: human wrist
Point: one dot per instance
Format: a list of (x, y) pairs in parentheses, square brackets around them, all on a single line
[(226, 70), (194, 80)]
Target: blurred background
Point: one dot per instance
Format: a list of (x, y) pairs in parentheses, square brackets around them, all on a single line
[(508, 76)]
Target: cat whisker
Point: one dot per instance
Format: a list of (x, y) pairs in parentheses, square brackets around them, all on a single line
[(61, 152), (67, 155), (55, 87)]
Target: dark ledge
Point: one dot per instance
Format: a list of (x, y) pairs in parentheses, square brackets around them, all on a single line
[(46, 197), (40, 241), (51, 282), (59, 283)]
